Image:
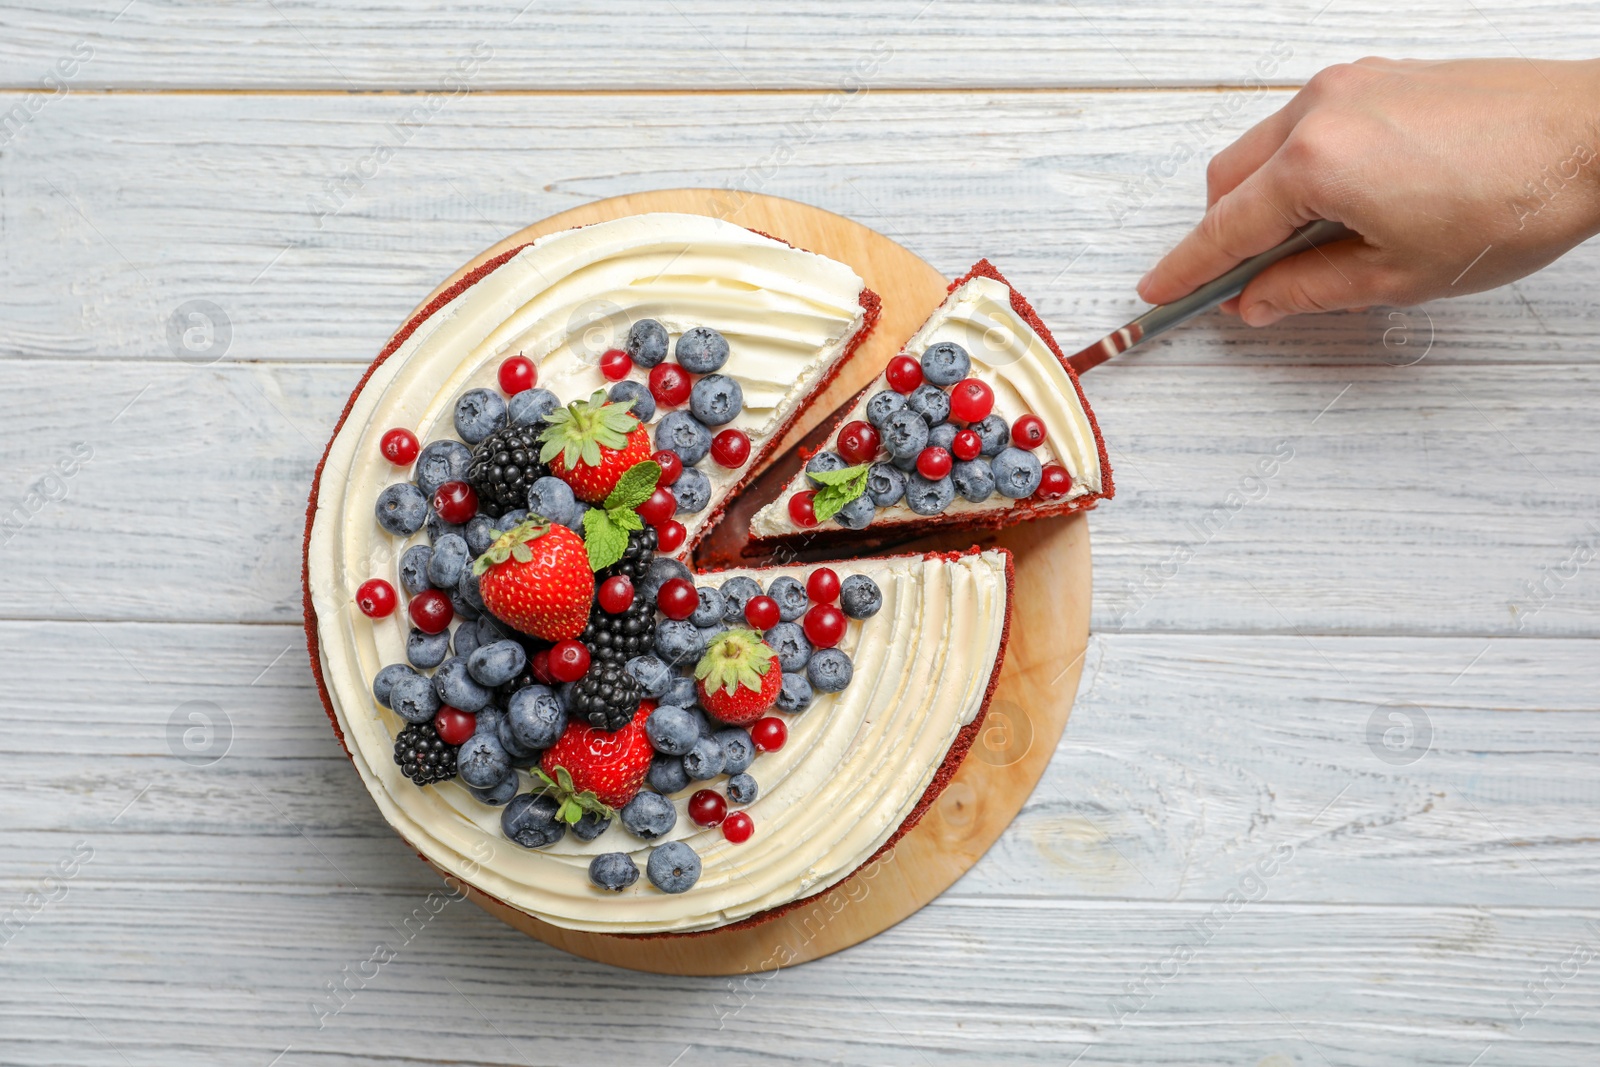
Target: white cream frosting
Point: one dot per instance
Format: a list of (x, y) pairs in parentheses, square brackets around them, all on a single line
[(1026, 377)]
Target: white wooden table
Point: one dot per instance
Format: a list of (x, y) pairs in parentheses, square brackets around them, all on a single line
[(1240, 855)]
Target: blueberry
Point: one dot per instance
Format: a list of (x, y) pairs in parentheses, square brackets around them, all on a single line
[(438, 528), (457, 688), (788, 640), (450, 558), (710, 608), (795, 694), (427, 651), (589, 826), (884, 403), (467, 592), (927, 497), (672, 730), (829, 670), (564, 695), (678, 641), (529, 407), (673, 867), (709, 634), (402, 509), (703, 722), (384, 682), (551, 499), (464, 609), (942, 435), (482, 761), (497, 663), (489, 720), (738, 752), (614, 871), (931, 402), (440, 462), (736, 593), (885, 485), (644, 405), (702, 350), (860, 597), (945, 363), (905, 434), (680, 694), (704, 760), (1016, 473), (579, 510), (973, 479), (822, 463), (652, 675), (994, 432), (716, 399), (479, 535), (536, 717), (479, 413), (693, 490), (511, 519), (666, 774), (649, 815), (742, 789), (904, 464), (498, 794), (662, 570), (646, 344), (682, 433), (856, 514), (414, 569), (530, 820), (507, 737), (791, 597), (466, 640), (413, 698)]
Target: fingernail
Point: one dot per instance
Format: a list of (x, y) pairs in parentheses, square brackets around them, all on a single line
[(1262, 314)]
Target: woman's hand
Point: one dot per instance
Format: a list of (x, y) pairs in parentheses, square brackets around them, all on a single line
[(1458, 176)]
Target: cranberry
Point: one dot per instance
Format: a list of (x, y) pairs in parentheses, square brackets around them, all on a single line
[(1054, 483), (768, 734), (670, 536), (454, 725), (456, 502), (539, 667), (517, 375), (615, 365), (823, 585), (730, 448), (669, 384), (569, 661), (677, 599), (660, 507), (761, 612), (738, 827), (971, 400), (1027, 432), (904, 374), (616, 594), (824, 625), (707, 808), (966, 445), (399, 446), (376, 598), (858, 442), (671, 466), (430, 611), (801, 510), (933, 463)]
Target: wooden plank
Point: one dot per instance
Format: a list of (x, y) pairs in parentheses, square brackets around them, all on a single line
[(703, 44)]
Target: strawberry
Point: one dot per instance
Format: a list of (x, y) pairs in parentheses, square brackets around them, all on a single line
[(597, 770), (536, 578), (738, 678), (590, 443)]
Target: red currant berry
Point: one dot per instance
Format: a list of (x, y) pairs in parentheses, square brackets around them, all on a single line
[(801, 510), (616, 594), (904, 374), (707, 808), (615, 365), (399, 446), (966, 445), (858, 442), (677, 599), (671, 466), (569, 661), (454, 725), (1054, 483), (761, 612), (376, 598), (456, 502), (517, 375), (738, 827), (823, 585), (971, 400), (539, 667), (659, 507), (1027, 432), (669, 384), (670, 536), (730, 448), (768, 734), (430, 611), (933, 463), (824, 625)]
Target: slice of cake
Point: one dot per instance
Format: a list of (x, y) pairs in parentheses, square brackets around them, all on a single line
[(978, 422)]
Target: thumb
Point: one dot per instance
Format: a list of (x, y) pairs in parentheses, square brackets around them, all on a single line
[(1331, 278)]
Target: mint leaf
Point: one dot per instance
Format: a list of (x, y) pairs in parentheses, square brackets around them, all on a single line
[(836, 492), (843, 476), (626, 518), (635, 485), (605, 540)]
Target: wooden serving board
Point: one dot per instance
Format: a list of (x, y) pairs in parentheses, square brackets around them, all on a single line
[(1038, 681)]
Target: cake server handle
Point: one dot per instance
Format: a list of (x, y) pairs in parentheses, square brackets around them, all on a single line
[(1164, 317)]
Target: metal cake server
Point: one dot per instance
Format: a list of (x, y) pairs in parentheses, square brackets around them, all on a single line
[(1164, 317)]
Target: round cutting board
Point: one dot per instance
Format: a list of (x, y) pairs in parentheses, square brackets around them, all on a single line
[(1049, 633)]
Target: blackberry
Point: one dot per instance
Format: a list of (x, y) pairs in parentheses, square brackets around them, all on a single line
[(503, 466), (635, 558), (423, 755), (618, 638), (606, 698)]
